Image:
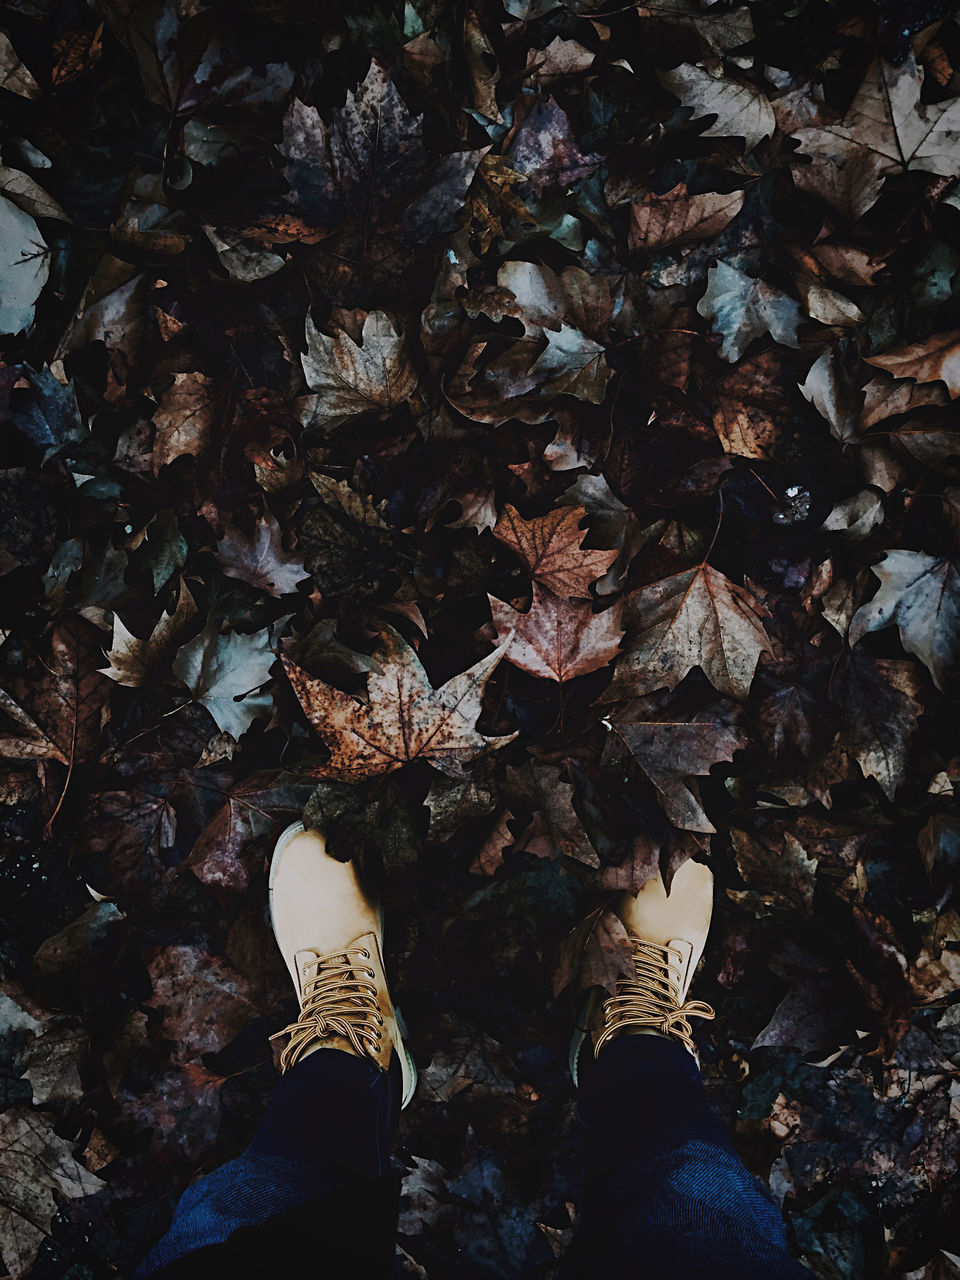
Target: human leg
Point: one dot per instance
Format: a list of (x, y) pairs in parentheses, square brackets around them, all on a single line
[(324, 1147), (664, 1191)]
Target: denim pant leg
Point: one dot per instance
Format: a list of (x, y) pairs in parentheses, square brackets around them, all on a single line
[(664, 1192), (328, 1127)]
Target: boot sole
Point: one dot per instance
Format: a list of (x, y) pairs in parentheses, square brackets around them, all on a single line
[(407, 1064)]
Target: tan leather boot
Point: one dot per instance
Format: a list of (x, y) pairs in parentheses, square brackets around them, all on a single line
[(668, 933), (330, 933)]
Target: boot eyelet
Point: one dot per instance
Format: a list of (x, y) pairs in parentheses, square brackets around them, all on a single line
[(371, 973), (365, 953)]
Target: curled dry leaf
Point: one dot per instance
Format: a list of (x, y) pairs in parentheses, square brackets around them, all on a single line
[(403, 718)]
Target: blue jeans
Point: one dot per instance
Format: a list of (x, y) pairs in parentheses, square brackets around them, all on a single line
[(664, 1193)]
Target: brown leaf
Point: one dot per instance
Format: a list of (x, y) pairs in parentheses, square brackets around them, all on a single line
[(545, 150), (237, 839), (191, 414), (697, 618), (556, 638), (937, 359), (66, 702), (204, 1000), (261, 560), (550, 547), (678, 217), (36, 1166), (134, 662), (748, 406), (594, 954), (879, 715), (778, 870), (404, 718), (669, 752), (555, 827)]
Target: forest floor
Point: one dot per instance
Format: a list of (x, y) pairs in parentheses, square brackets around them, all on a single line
[(520, 436)]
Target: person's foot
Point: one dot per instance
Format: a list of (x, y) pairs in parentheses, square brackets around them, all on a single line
[(668, 933), (330, 934)]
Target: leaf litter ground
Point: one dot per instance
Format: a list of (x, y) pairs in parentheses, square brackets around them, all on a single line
[(521, 441)]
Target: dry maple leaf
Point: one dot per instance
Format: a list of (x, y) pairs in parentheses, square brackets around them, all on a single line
[(921, 594), (550, 548), (134, 661), (742, 308), (886, 129), (188, 418), (742, 110), (936, 359), (676, 217), (557, 638), (879, 715), (596, 953), (219, 669), (261, 560), (671, 751), (404, 718), (698, 618), (351, 377)]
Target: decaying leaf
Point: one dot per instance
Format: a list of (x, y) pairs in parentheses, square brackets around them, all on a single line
[(351, 377), (557, 638), (220, 669), (403, 717), (36, 1166), (698, 618), (921, 594)]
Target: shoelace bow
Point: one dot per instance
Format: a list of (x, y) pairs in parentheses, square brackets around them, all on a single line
[(336, 1001), (653, 999)]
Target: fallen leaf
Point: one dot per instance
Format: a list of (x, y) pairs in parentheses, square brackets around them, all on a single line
[(557, 638), (261, 560), (205, 1002), (742, 308), (596, 953), (921, 594), (778, 870), (133, 662), (880, 715), (403, 718), (550, 548), (935, 360), (219, 669), (698, 618), (741, 109), (670, 752), (36, 1166), (679, 218), (189, 418), (351, 377)]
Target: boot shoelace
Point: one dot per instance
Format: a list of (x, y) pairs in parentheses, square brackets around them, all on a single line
[(337, 1000), (653, 999)]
